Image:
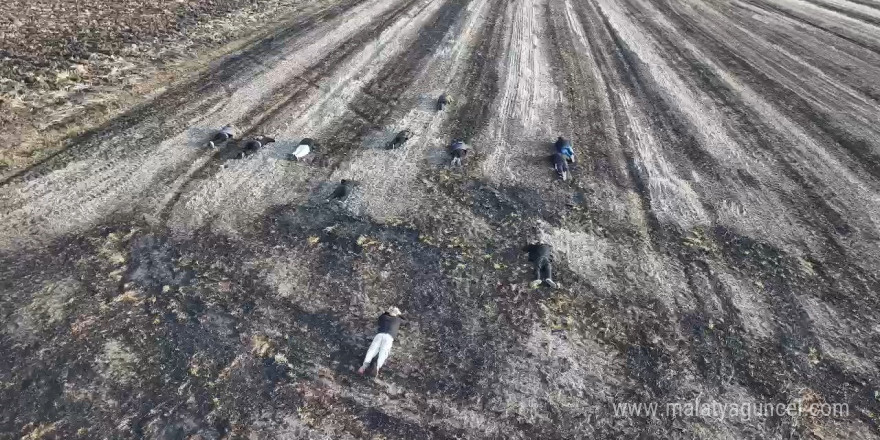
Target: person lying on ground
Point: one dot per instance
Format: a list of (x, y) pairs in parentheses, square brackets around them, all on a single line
[(226, 133), (303, 149), (389, 323), (253, 145), (541, 255), (563, 146), (560, 164), (442, 102), (342, 190), (459, 150), (399, 140)]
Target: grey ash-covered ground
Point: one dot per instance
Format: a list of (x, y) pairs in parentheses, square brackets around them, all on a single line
[(719, 240)]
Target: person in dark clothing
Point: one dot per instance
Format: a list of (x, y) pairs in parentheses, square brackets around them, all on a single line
[(442, 102), (541, 255), (560, 164), (459, 150), (399, 140), (563, 147), (389, 323), (226, 133), (342, 190), (251, 146)]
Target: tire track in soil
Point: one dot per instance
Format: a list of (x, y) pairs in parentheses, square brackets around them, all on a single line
[(653, 359), (819, 124), (606, 65), (595, 65), (620, 72), (382, 175), (517, 142), (801, 19), (789, 306), (645, 359), (846, 12), (209, 84), (598, 124), (478, 89), (121, 153), (289, 95), (748, 128), (866, 3), (841, 80), (587, 99), (375, 104), (849, 68), (785, 292), (692, 127), (480, 81), (755, 131), (262, 183), (832, 215)]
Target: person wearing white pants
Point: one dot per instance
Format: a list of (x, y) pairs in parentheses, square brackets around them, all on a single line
[(389, 323)]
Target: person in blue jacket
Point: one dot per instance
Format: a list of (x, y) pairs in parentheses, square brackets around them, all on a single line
[(563, 147)]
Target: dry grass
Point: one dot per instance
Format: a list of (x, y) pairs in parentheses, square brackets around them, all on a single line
[(70, 67)]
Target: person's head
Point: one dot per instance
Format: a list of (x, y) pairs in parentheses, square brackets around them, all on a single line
[(345, 181), (393, 311)]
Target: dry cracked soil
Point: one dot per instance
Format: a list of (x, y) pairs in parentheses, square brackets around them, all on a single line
[(717, 244)]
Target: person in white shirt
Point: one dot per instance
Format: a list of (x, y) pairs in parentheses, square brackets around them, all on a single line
[(303, 149)]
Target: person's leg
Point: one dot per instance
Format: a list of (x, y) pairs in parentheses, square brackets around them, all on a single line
[(372, 352), (384, 350), (538, 266), (547, 273)]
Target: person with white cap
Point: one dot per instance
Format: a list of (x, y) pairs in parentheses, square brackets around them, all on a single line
[(389, 323)]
